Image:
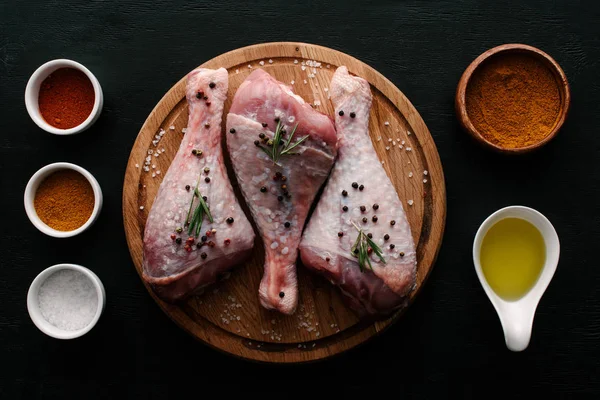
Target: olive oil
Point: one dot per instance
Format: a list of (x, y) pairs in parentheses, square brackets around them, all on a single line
[(512, 256)]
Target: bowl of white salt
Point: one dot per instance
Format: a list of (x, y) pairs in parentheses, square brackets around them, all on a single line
[(66, 300)]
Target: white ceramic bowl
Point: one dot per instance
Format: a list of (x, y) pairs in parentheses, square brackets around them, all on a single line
[(34, 183), (33, 89), (516, 316), (34, 308)]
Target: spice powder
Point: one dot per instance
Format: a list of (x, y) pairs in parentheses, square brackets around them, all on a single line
[(64, 200), (66, 98), (513, 100)]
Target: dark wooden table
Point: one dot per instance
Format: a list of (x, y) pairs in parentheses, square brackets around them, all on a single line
[(449, 342)]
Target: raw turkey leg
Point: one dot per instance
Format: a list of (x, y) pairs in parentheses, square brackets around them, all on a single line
[(358, 180), (279, 196), (177, 262)]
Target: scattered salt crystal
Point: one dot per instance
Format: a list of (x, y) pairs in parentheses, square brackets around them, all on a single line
[(68, 300), (386, 123), (394, 142), (293, 81), (262, 63), (425, 172), (400, 146), (303, 68), (137, 165), (410, 202), (249, 66), (237, 71), (390, 139), (379, 138), (410, 174), (150, 151), (295, 61), (183, 130), (409, 149), (153, 175), (404, 141), (328, 66), (153, 166), (141, 207), (408, 133), (424, 180), (326, 89), (157, 172), (299, 346), (172, 127), (383, 162), (387, 147), (317, 103), (314, 344), (305, 82), (274, 245), (270, 61)]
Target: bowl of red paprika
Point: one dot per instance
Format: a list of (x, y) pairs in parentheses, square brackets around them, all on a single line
[(513, 98), (63, 97)]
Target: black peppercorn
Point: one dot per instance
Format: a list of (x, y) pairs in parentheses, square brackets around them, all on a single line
[(263, 189), (205, 97), (198, 245), (356, 251), (207, 179), (199, 95), (204, 238), (375, 206), (207, 103), (392, 222), (344, 193), (278, 174), (392, 246), (352, 115), (261, 135), (279, 198), (345, 208), (194, 151), (340, 234), (374, 218), (287, 224), (212, 85), (204, 198), (341, 113), (230, 220), (264, 124), (232, 130), (401, 254), (386, 237), (354, 185), (281, 294), (370, 235), (206, 170), (276, 119), (363, 208), (203, 255), (178, 240), (256, 143), (187, 187), (207, 125), (284, 186), (361, 187), (365, 220)]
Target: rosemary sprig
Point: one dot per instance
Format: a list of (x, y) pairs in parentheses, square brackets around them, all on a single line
[(362, 244), (274, 149), (194, 223)]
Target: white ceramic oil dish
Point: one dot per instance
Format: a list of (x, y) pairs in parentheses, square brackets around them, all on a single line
[(42, 300), (33, 89), (517, 316), (34, 183)]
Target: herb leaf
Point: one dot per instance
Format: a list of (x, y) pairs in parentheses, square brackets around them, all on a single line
[(194, 219), (362, 244), (276, 150)]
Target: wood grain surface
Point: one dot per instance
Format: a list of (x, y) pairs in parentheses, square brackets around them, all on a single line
[(229, 316)]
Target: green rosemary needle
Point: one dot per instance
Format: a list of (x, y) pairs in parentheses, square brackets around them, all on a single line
[(362, 244), (275, 151), (197, 216)]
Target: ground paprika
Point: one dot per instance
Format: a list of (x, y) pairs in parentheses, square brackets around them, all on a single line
[(66, 98)]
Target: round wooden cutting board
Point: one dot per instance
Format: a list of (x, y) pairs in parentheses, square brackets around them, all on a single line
[(228, 315)]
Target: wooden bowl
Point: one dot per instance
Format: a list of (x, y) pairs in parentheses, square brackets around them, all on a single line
[(561, 79)]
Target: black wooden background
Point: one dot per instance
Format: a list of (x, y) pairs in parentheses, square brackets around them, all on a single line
[(450, 341)]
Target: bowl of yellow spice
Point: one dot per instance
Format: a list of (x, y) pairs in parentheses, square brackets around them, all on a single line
[(62, 199), (513, 98)]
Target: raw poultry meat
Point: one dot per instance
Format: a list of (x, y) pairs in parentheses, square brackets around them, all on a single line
[(279, 190), (359, 195), (180, 256)]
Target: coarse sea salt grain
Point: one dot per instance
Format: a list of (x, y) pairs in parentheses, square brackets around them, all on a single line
[(410, 202), (68, 300), (386, 123), (270, 61), (293, 81), (425, 172), (172, 127), (262, 63)]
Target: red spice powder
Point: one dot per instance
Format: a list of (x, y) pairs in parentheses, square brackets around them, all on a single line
[(66, 98)]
